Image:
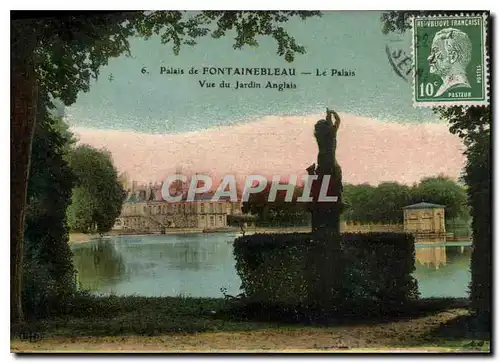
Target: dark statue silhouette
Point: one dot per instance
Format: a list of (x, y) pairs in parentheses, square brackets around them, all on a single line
[(325, 253), (325, 132)]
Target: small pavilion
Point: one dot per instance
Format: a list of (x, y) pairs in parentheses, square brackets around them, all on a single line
[(426, 218)]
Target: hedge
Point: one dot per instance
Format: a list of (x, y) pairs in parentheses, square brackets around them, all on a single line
[(377, 269)]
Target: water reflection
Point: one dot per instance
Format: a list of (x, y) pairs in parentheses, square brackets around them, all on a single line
[(202, 264), (190, 264), (442, 270), (99, 264), (431, 252)]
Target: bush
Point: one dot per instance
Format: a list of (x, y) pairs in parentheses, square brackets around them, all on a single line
[(273, 269), (378, 268), (43, 294)]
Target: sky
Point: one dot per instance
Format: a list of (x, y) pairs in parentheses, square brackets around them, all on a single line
[(368, 151), (154, 103), (153, 123)]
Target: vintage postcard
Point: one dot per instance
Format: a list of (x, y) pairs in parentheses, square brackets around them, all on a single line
[(251, 181)]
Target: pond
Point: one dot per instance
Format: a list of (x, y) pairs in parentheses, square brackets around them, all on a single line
[(201, 264)]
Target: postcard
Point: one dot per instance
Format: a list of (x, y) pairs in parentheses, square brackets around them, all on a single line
[(251, 181)]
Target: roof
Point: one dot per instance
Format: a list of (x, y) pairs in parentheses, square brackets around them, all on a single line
[(156, 196), (424, 205), (131, 199), (208, 197)]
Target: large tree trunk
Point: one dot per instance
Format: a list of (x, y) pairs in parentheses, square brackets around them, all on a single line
[(23, 119)]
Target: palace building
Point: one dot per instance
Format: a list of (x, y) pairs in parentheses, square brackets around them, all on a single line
[(145, 211)]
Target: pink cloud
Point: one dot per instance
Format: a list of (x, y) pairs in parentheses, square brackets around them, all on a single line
[(368, 150)]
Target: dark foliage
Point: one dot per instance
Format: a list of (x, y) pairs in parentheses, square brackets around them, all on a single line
[(384, 203), (274, 271), (48, 269), (89, 315), (279, 212), (478, 177), (98, 196)]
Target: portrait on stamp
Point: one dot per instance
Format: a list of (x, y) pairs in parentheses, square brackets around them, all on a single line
[(450, 55), (449, 61)]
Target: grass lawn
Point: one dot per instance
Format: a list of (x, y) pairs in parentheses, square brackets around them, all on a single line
[(171, 324)]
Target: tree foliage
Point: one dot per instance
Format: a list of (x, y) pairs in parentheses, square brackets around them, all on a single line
[(444, 191), (478, 178), (278, 212), (388, 201), (48, 269), (98, 195), (366, 203), (359, 203), (384, 203), (69, 50)]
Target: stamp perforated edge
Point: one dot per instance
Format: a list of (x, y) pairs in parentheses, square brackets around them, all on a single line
[(486, 58)]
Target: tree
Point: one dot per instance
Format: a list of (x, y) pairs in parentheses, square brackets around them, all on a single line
[(278, 212), (445, 191), (472, 125), (48, 255), (388, 201), (60, 55), (359, 202), (98, 195)]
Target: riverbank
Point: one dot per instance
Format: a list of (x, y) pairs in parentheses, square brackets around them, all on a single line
[(82, 237), (115, 324)]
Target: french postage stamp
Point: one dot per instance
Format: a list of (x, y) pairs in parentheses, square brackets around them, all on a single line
[(450, 60)]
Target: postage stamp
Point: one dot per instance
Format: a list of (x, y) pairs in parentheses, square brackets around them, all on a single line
[(450, 60)]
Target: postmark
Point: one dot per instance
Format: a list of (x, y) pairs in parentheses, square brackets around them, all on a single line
[(450, 60)]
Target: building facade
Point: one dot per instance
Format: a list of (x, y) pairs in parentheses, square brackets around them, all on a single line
[(145, 211), (424, 218)]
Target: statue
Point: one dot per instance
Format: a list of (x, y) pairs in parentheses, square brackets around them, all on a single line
[(324, 258), (325, 132)]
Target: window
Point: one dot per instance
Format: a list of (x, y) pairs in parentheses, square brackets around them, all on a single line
[(202, 207), (212, 220)]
